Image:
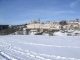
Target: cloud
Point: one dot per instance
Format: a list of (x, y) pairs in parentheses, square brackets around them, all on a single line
[(63, 12), (45, 12), (73, 4)]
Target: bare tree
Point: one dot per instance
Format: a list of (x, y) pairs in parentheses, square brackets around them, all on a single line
[(62, 23)]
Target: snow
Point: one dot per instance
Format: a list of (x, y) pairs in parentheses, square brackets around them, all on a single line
[(71, 32), (76, 31), (46, 34), (59, 34), (32, 33), (33, 47)]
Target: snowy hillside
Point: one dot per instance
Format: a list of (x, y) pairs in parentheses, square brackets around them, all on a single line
[(28, 47)]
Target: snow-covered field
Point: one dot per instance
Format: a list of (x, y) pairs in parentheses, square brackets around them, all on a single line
[(33, 47)]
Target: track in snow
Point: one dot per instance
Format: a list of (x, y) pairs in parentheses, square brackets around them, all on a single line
[(16, 48)]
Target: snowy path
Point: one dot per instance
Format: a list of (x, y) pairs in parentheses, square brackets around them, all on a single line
[(39, 48)]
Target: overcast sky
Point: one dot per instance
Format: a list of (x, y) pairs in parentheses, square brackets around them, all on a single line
[(23, 11)]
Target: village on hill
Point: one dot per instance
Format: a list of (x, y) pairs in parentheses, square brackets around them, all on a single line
[(36, 27)]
